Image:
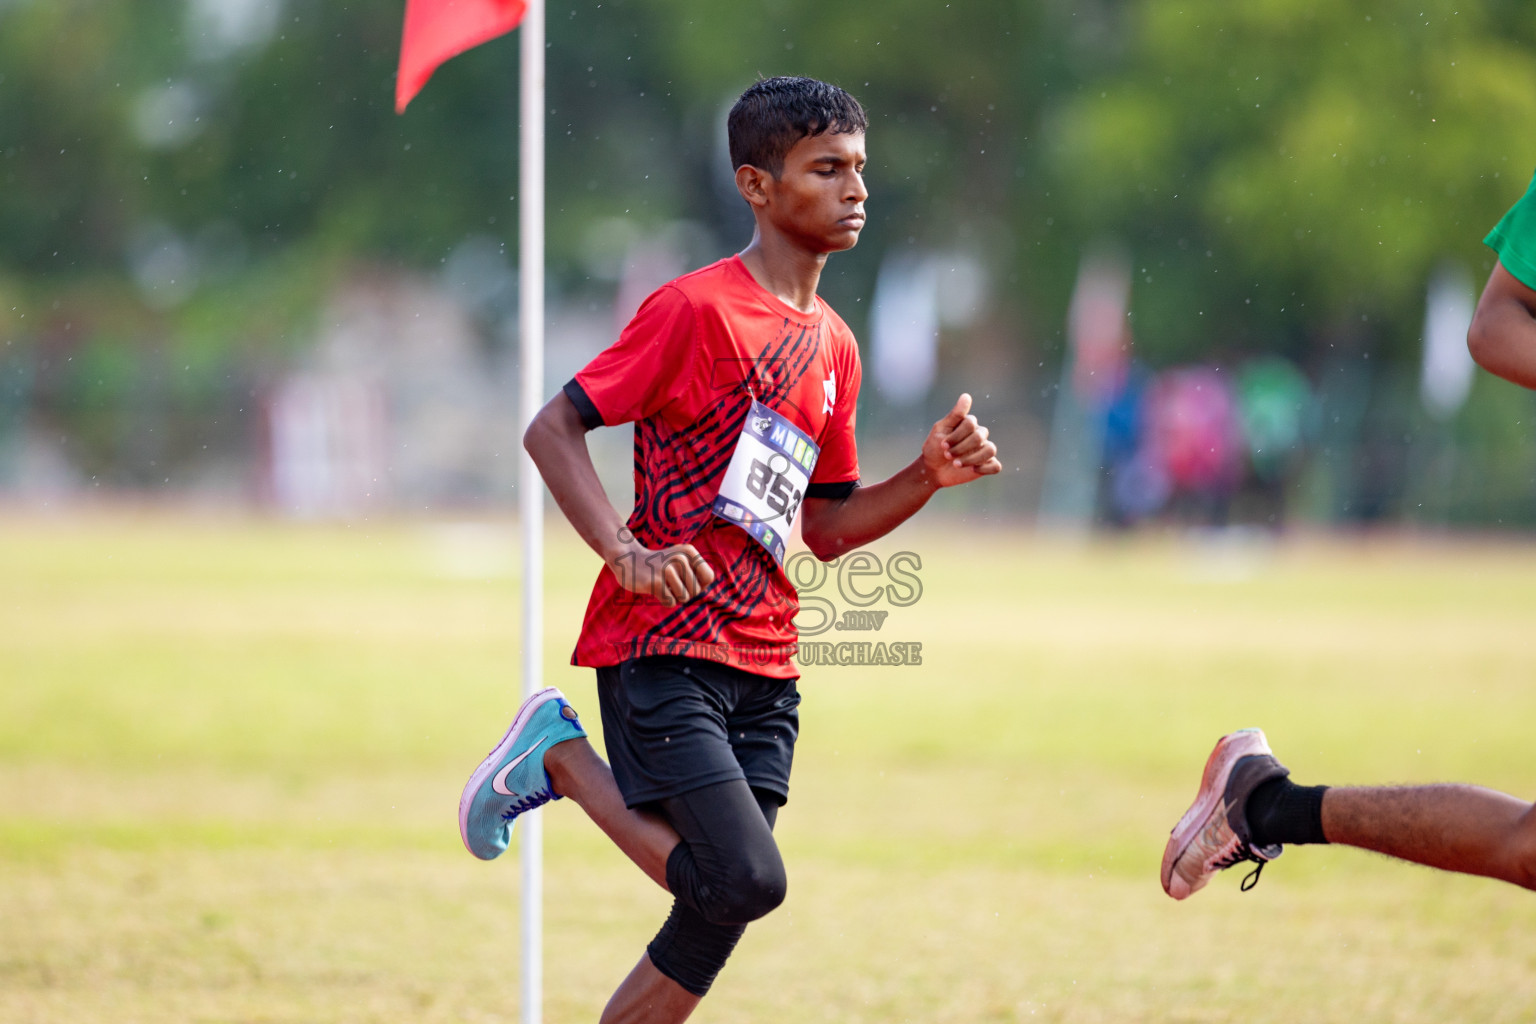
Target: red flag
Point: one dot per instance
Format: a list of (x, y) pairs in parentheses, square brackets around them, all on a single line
[(436, 30)]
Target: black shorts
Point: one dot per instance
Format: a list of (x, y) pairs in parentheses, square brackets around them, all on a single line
[(674, 724)]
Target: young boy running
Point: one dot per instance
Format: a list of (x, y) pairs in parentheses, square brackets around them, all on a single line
[(1248, 810), (741, 384)]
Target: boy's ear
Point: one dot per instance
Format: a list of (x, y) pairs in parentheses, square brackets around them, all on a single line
[(752, 183)]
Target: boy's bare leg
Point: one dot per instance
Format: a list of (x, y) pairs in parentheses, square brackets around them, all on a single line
[(1462, 828), (649, 997), (578, 773)]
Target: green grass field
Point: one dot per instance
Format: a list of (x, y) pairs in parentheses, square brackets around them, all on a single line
[(231, 753)]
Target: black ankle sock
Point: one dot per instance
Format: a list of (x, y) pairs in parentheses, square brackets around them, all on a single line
[(1279, 811)]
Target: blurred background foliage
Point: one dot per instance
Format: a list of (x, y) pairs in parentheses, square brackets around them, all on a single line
[(183, 183)]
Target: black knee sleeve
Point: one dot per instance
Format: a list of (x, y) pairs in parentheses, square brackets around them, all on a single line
[(757, 888), (690, 950), (726, 871), (734, 891)]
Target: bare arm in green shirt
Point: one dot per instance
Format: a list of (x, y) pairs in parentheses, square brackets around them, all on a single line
[(1502, 338)]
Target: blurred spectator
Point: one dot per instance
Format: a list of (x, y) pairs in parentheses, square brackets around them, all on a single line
[(1192, 427), (1138, 485), (1277, 409)]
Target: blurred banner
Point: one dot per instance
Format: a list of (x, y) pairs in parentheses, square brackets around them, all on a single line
[(327, 448), (904, 328), (1093, 372), (1446, 379), (1099, 336)]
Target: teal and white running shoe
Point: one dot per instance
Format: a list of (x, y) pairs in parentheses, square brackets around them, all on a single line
[(512, 778)]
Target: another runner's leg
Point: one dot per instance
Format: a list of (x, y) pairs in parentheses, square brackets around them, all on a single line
[(1462, 828), (1452, 827)]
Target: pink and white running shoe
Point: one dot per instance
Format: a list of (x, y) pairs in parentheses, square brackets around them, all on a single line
[(1213, 834)]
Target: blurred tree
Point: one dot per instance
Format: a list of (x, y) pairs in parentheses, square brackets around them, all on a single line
[(1285, 168), (195, 141)]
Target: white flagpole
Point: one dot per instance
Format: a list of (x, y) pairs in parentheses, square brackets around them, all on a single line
[(530, 486)]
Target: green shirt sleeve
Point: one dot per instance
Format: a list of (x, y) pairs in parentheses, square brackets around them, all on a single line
[(1514, 238)]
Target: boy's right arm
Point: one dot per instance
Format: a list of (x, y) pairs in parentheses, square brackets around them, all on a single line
[(1502, 338), (557, 441)]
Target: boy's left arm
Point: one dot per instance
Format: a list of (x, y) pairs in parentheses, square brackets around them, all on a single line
[(956, 451)]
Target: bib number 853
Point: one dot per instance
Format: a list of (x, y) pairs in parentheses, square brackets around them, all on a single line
[(775, 490)]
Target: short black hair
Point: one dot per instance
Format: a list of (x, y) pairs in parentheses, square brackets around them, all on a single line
[(775, 113)]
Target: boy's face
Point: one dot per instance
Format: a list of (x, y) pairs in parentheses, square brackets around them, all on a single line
[(818, 199)]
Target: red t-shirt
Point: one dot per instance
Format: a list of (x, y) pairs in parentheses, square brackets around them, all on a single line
[(685, 371)]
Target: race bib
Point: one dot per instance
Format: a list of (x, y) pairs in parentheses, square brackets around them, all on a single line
[(767, 477)]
